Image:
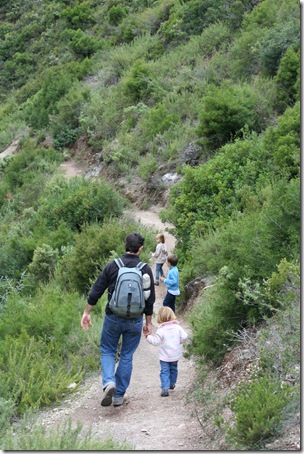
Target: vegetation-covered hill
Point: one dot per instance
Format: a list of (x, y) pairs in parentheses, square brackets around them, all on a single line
[(207, 89)]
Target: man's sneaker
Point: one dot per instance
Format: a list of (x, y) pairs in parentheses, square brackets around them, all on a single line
[(118, 401), (172, 386), (109, 391), (164, 392)]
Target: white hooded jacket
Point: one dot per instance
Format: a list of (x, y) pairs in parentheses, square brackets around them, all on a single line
[(170, 336)]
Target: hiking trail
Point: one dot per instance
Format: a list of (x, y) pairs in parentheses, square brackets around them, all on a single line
[(148, 421)]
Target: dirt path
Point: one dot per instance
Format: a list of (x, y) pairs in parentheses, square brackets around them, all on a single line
[(148, 421)]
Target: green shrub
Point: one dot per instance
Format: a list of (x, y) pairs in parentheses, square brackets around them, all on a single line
[(81, 43), (217, 314), (62, 438), (276, 42), (55, 84), (31, 373), (78, 201), (208, 195), (287, 79), (157, 121), (43, 264), (79, 16), (147, 166), (283, 142), (65, 125), (137, 84), (24, 167), (258, 408), (116, 14), (226, 111)]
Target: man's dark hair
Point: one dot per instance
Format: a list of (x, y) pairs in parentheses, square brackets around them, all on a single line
[(173, 260), (133, 242)]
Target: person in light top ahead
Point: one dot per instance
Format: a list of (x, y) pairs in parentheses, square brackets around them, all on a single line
[(160, 255), (170, 335)]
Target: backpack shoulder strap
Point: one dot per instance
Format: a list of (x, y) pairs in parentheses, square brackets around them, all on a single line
[(119, 263), (140, 265)]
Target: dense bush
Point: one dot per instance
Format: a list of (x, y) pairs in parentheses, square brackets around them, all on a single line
[(288, 79), (79, 201), (258, 408), (42, 352), (226, 111)]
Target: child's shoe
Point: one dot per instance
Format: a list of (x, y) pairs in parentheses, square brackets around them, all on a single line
[(164, 393), (156, 283), (172, 386)]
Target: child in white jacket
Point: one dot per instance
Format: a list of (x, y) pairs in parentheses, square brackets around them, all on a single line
[(160, 255), (170, 335)]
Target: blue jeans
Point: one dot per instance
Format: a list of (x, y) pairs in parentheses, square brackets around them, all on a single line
[(113, 328), (168, 374), (169, 301), (159, 271)]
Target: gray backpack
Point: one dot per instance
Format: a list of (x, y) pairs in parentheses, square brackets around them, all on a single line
[(128, 299)]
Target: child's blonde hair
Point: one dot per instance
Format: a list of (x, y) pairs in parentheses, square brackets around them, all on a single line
[(165, 314), (161, 237)]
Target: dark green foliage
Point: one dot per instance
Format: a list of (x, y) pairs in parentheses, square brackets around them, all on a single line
[(79, 201), (258, 409), (38, 109), (283, 142), (65, 125), (276, 43), (220, 314), (138, 82), (192, 17), (116, 14), (24, 176), (209, 194), (226, 111), (288, 79), (80, 16), (81, 43)]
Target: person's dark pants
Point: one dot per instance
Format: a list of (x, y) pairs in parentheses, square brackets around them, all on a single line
[(170, 301)]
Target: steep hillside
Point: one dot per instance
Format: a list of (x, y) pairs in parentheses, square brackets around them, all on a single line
[(193, 106)]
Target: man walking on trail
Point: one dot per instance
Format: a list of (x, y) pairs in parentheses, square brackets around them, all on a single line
[(116, 383)]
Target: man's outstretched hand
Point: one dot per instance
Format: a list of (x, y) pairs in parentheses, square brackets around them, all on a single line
[(86, 321)]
